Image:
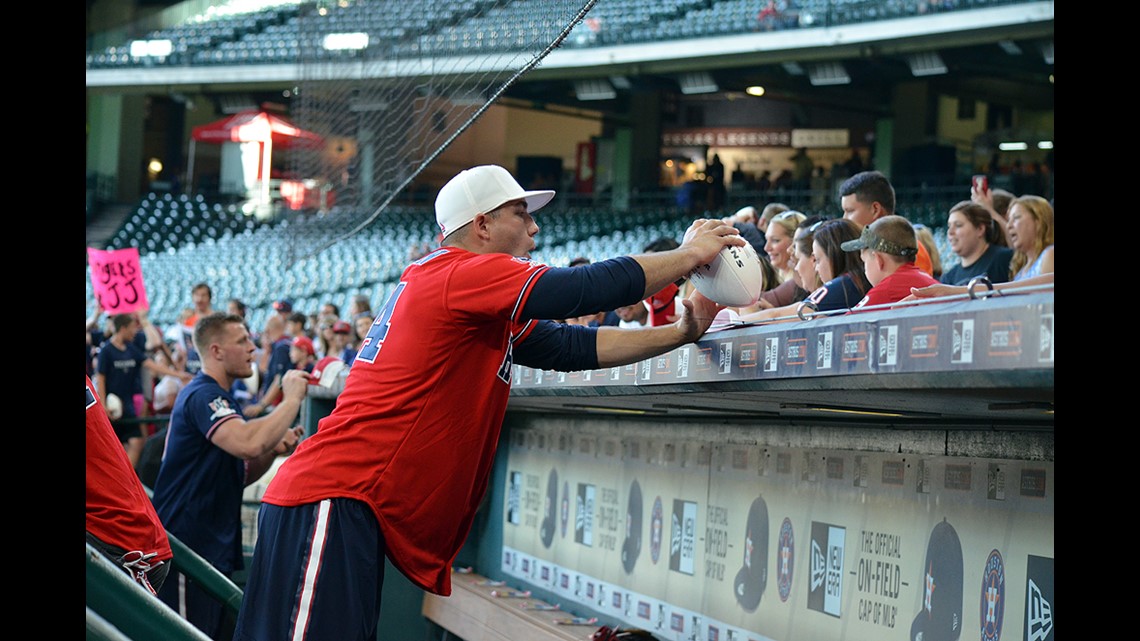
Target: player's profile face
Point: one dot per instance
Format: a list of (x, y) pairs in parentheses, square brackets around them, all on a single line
[(514, 229), (872, 266), (823, 265), (237, 351), (1022, 229), (805, 269), (860, 213), (778, 247), (964, 237)]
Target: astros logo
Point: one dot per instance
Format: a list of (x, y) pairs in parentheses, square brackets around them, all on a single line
[(785, 560), (993, 597)]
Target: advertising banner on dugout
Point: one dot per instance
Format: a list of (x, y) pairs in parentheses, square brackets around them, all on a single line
[(706, 540)]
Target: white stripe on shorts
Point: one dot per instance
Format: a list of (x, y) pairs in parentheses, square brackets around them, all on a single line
[(312, 569)]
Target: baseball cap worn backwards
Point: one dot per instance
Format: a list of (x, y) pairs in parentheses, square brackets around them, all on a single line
[(480, 190), (892, 235)]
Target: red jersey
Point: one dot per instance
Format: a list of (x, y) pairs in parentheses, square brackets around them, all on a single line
[(119, 512), (897, 286), (413, 435)]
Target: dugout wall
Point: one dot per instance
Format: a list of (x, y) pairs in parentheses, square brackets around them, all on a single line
[(864, 477)]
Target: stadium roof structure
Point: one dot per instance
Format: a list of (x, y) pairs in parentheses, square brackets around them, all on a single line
[(1000, 51)]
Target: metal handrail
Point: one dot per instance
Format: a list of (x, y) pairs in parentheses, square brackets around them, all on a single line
[(207, 576), (129, 608), (99, 629), (123, 609), (805, 311), (190, 563)]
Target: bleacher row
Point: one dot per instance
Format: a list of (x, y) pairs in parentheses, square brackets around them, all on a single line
[(290, 31), (165, 221), (183, 240)]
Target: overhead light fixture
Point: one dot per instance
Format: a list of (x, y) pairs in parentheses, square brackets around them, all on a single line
[(793, 68), (345, 41), (699, 409), (235, 103), (594, 89), (1010, 47), (1047, 52), (755, 90), (1045, 407), (467, 98), (620, 82), (828, 73), (927, 63), (854, 411), (363, 106), (1045, 144), (151, 48), (1013, 146), (841, 410), (603, 409), (697, 82)]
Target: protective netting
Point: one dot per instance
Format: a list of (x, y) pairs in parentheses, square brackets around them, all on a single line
[(412, 77)]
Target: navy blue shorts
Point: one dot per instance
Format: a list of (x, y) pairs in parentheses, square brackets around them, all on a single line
[(317, 573)]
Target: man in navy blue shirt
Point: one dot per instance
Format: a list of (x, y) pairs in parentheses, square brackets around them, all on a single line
[(212, 454), (119, 367)]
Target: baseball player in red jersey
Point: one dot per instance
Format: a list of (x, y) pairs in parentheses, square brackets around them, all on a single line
[(401, 464), (121, 521)]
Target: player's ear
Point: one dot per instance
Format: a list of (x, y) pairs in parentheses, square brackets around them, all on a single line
[(479, 225)]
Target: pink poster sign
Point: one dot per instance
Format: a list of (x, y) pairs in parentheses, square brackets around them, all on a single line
[(118, 280)]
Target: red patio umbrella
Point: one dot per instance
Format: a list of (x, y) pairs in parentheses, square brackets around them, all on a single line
[(258, 126)]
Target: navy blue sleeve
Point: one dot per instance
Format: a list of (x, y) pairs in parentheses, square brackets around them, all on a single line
[(567, 292), (838, 293), (567, 348)]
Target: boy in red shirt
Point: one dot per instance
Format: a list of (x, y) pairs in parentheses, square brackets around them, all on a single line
[(303, 353), (888, 248)]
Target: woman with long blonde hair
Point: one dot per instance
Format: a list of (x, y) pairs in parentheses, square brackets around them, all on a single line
[(1030, 229)]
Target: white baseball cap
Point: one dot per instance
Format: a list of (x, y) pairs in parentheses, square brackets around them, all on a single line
[(480, 190)]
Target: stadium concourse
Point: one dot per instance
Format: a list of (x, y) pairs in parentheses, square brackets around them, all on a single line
[(882, 475)]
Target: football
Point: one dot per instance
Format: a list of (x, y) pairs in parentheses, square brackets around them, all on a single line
[(734, 278)]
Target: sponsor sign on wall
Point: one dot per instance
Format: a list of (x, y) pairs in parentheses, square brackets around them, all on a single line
[(711, 539)]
